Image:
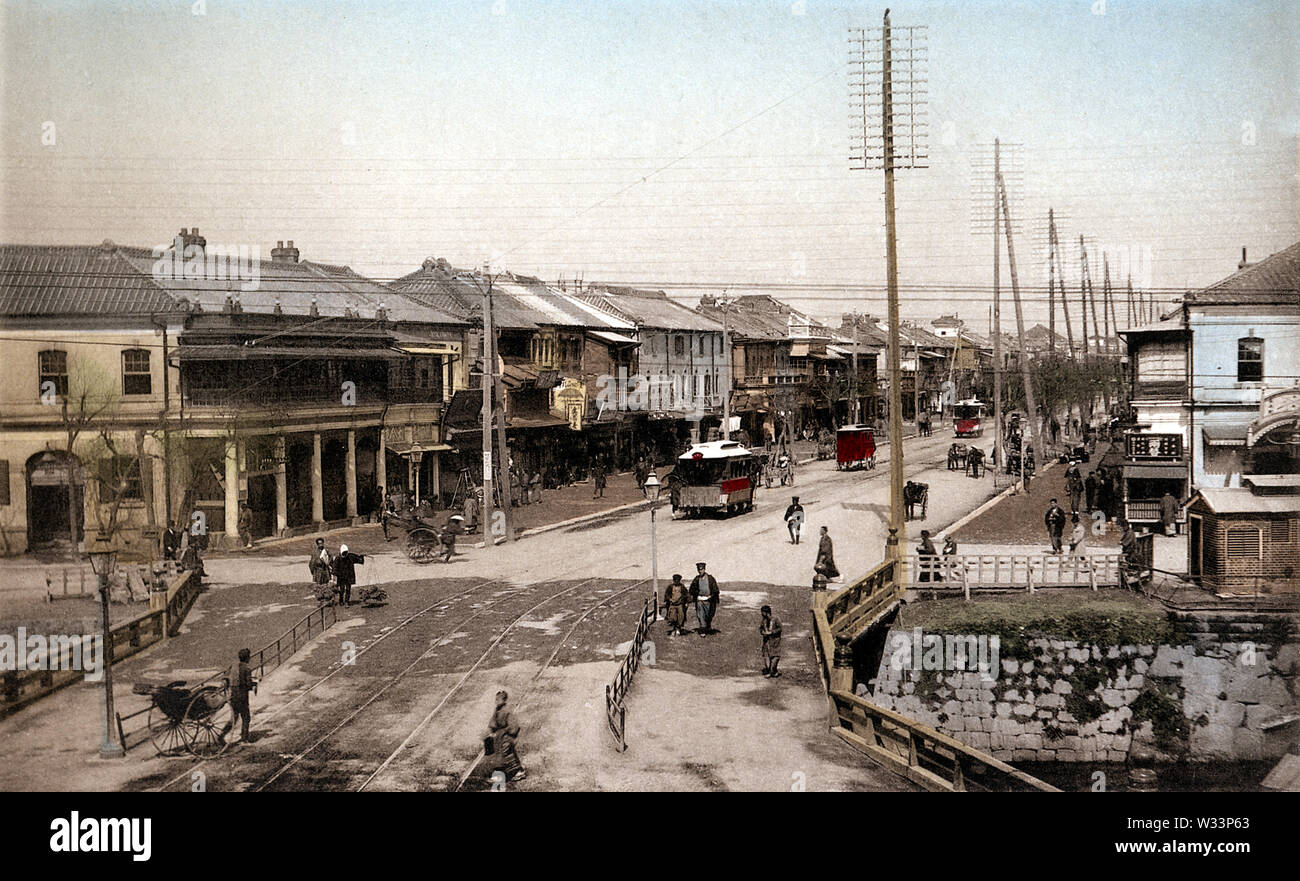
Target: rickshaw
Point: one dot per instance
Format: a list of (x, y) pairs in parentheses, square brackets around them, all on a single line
[(716, 476), (855, 446), (186, 719)]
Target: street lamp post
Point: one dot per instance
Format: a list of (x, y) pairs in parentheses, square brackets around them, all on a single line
[(103, 560), (417, 459), (651, 489)]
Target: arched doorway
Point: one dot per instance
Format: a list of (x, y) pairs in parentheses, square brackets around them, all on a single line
[(56, 491)]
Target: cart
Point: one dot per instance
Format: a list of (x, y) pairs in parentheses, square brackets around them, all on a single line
[(423, 543), (855, 447), (186, 719), (957, 454), (915, 494)]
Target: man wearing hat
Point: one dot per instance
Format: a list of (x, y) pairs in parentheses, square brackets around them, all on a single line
[(794, 519), (675, 599), (769, 628), (928, 557), (704, 591)]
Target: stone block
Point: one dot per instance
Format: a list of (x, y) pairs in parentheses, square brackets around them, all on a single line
[(997, 741), (1067, 669), (1034, 726), (1095, 653), (1023, 755), (1256, 714), (1067, 755), (1109, 724), (1030, 741), (1146, 651), (1046, 755), (1112, 697), (1066, 717), (1079, 656), (1228, 713), (1112, 652), (1140, 666), (909, 688), (1027, 667), (1116, 755), (1010, 667), (1006, 726), (1012, 695), (1212, 741), (977, 739), (1062, 687), (1050, 700), (1003, 708), (1023, 710), (954, 725)]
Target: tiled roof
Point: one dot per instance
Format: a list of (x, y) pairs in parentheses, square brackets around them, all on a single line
[(110, 279), (76, 280), (648, 308), (1274, 280)]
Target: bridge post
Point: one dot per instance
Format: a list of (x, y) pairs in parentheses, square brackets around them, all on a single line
[(842, 666)]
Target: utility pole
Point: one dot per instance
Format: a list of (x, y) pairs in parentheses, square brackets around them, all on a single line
[(916, 376), (1051, 288), (998, 451), (1105, 300), (1027, 430), (1132, 307), (726, 380), (1083, 292), (853, 385), (1112, 340), (903, 132), (487, 378), (1055, 245)]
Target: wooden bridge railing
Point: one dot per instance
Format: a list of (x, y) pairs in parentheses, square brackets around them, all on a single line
[(1004, 572), (918, 752)]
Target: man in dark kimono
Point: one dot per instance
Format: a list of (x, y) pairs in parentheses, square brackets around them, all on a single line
[(503, 729), (769, 628), (1054, 519), (826, 557), (705, 593), (321, 565), (345, 573), (240, 685), (1169, 513)]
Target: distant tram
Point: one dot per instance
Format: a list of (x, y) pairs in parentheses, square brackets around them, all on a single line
[(968, 418), (718, 476)]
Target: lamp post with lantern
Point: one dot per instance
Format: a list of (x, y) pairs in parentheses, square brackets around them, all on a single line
[(103, 560), (651, 489)]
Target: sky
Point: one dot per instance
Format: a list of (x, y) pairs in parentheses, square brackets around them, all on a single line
[(688, 146)]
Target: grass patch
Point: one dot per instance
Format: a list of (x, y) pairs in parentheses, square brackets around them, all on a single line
[(1102, 618), (1165, 713)]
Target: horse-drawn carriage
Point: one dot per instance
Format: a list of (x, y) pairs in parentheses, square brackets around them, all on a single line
[(855, 447), (186, 719)]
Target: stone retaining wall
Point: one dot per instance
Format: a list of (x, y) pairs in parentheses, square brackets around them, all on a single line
[(1065, 701)]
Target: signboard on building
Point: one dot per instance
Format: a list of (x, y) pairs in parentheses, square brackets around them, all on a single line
[(569, 401)]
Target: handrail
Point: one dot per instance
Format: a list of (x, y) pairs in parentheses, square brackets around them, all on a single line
[(904, 746), (1006, 572)]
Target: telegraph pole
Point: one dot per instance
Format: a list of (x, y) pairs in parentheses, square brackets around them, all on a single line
[(900, 143), (726, 367), (1027, 430), (1055, 245), (998, 452), (1051, 287), (488, 379)]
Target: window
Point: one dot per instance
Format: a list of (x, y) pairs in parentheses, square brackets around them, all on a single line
[(701, 344), (54, 368), (1250, 359), (679, 346), (136, 378), (119, 478), (1244, 543), (4, 483)]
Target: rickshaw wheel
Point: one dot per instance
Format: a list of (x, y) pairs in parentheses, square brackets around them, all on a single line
[(165, 733), (422, 545), (201, 729)]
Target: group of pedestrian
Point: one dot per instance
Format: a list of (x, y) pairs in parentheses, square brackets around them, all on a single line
[(928, 556), (702, 593), (334, 574), (925, 424)]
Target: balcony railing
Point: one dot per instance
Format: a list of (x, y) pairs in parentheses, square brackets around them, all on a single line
[(266, 395)]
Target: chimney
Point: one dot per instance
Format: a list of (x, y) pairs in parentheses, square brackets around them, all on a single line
[(193, 238), (315, 312), (283, 253), (1243, 264)]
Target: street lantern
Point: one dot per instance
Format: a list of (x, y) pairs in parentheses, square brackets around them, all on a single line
[(417, 457), (103, 561), (651, 489)]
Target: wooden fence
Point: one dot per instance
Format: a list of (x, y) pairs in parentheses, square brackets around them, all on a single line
[(1007, 572), (164, 618), (615, 692)]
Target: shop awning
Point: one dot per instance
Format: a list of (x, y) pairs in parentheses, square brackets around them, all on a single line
[(1156, 470), (616, 339), (1224, 435), (464, 410), (532, 421), (248, 353)]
